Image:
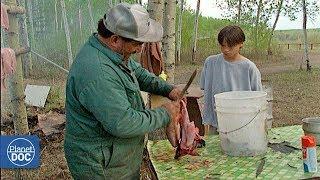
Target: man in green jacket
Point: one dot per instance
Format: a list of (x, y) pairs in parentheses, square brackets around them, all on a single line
[(106, 116)]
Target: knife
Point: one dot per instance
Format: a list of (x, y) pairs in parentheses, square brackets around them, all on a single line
[(184, 90)]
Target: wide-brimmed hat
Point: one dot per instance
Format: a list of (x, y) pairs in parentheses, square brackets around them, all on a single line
[(132, 21)]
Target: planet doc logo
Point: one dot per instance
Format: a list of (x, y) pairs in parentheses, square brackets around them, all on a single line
[(19, 151)]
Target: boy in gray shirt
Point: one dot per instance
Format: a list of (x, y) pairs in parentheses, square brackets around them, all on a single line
[(228, 71)]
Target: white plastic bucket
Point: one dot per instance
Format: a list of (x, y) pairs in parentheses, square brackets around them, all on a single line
[(242, 122)]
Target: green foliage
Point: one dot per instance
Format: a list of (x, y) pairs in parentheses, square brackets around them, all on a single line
[(296, 36), (51, 41)]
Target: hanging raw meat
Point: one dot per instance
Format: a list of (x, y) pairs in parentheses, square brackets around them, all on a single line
[(184, 134)]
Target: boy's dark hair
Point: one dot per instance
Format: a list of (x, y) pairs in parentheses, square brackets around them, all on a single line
[(104, 32), (233, 35)]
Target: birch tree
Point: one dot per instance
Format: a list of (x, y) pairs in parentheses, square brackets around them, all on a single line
[(179, 34), (15, 81), (67, 32), (56, 25), (239, 12), (169, 38), (274, 26), (30, 19), (306, 55), (155, 9), (195, 33), (257, 18), (91, 16), (80, 18)]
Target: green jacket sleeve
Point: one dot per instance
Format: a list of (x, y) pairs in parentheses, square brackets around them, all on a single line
[(107, 100), (149, 82)]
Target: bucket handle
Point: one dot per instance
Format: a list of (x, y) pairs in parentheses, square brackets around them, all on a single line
[(241, 126)]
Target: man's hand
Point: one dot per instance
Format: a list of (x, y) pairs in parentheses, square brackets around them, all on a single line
[(175, 94), (173, 129), (173, 108)]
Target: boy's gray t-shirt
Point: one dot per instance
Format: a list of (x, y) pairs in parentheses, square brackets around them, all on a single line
[(219, 75)]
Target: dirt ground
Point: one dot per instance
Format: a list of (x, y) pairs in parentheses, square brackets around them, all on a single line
[(53, 164)]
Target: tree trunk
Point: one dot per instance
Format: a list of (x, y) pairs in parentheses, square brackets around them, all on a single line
[(169, 39), (56, 24), (195, 31), (155, 9), (91, 16), (26, 58), (274, 26), (15, 81), (36, 17), (306, 55), (30, 19), (178, 48), (239, 12), (44, 26), (257, 26), (66, 29), (80, 19)]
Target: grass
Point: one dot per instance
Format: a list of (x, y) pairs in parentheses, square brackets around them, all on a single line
[(296, 96)]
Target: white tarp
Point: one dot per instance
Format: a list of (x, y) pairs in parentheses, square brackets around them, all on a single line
[(36, 95)]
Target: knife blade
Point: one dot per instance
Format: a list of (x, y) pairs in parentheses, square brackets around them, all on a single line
[(184, 90)]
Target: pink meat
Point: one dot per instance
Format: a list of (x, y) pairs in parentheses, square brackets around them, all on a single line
[(4, 17), (186, 134), (8, 64), (190, 133)]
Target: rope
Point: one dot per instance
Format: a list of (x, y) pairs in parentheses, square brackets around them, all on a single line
[(50, 61)]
